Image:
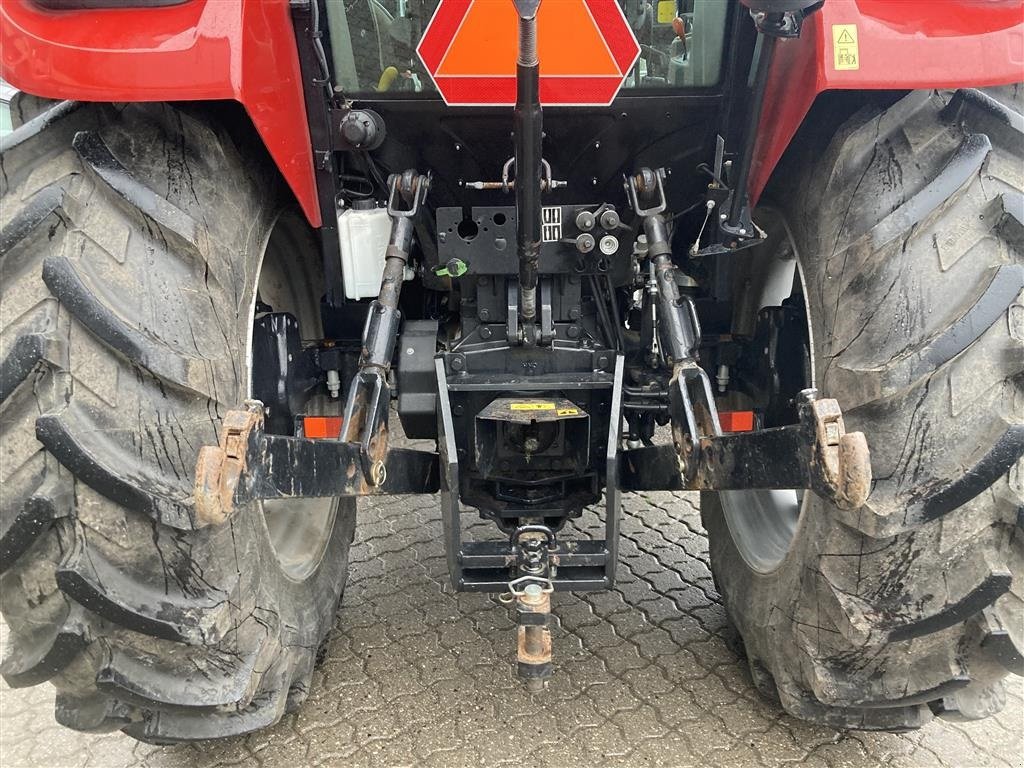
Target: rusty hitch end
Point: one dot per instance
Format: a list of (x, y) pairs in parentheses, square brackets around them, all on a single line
[(854, 482), (840, 462), (220, 469)]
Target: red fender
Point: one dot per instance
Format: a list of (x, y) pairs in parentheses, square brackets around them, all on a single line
[(904, 45), (245, 51), (200, 50)]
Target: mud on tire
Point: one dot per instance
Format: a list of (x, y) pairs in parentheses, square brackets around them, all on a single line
[(909, 229), (131, 241)]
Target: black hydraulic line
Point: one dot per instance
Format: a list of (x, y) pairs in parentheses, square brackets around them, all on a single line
[(602, 311), (529, 130), (739, 195), (616, 315)]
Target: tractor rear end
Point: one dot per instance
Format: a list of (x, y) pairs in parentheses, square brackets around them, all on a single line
[(567, 289)]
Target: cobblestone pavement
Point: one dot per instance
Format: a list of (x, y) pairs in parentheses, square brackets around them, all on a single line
[(417, 675)]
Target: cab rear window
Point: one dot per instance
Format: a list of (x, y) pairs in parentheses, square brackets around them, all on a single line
[(373, 43)]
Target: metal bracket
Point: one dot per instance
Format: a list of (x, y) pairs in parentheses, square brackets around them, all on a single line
[(249, 465), (647, 183), (486, 566), (817, 453)]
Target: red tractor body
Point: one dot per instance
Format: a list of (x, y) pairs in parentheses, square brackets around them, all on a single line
[(205, 50)]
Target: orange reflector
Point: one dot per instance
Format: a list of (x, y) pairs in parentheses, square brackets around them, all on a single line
[(321, 427), (736, 421)]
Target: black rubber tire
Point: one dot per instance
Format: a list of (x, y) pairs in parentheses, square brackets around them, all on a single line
[(131, 241), (25, 106), (909, 232)]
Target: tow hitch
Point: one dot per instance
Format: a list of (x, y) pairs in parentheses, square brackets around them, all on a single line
[(536, 549)]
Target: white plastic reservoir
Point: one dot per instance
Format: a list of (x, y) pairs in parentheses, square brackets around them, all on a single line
[(364, 236)]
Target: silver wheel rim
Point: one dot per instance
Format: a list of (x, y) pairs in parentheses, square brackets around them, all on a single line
[(763, 523), (298, 529)]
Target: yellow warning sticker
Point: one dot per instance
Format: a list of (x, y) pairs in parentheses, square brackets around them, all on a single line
[(568, 411), (845, 50), (666, 11), (532, 406)]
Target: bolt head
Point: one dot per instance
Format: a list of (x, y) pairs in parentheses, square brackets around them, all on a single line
[(458, 363)]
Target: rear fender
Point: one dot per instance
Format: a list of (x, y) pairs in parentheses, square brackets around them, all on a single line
[(198, 50), (905, 45)]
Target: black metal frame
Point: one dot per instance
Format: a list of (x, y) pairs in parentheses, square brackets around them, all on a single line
[(488, 566)]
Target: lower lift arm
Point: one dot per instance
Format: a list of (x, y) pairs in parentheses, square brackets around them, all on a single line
[(817, 454), (250, 464)]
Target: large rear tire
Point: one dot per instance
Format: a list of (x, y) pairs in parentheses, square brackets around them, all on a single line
[(908, 230), (134, 239)]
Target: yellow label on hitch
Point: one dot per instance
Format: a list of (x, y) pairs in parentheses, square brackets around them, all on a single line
[(666, 11), (568, 411), (845, 49), (532, 406)]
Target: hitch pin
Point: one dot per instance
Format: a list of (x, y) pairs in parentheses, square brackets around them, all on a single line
[(532, 596)]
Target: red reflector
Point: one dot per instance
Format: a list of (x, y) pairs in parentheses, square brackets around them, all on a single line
[(736, 421), (322, 426)]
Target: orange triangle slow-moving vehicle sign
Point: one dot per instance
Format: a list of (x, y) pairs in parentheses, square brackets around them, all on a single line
[(585, 48)]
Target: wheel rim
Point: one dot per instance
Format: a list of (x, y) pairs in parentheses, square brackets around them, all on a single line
[(763, 523), (299, 530)]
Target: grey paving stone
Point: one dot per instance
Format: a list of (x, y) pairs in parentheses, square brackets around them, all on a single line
[(415, 675)]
